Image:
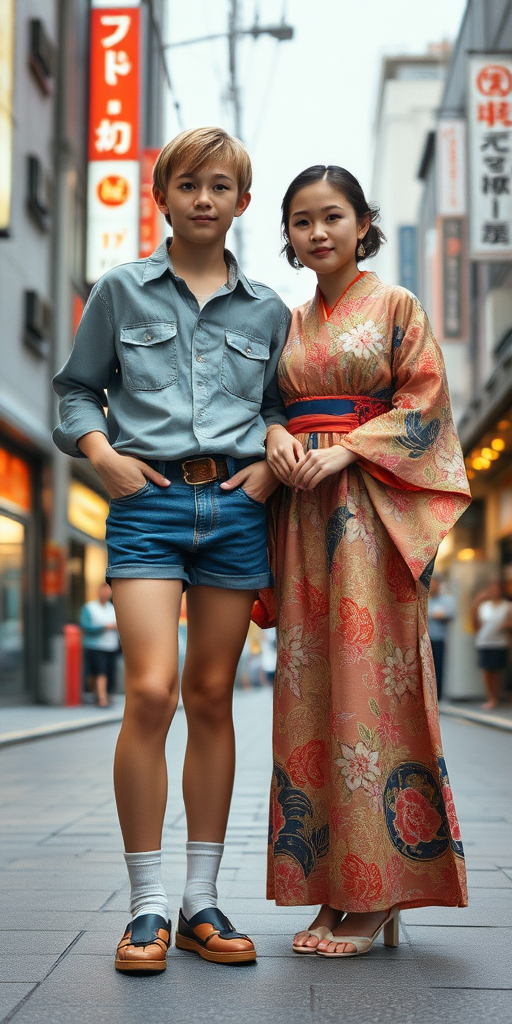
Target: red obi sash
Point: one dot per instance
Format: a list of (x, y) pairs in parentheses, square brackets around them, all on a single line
[(328, 414)]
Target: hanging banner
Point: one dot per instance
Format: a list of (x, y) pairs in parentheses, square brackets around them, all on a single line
[(151, 220), (490, 155), (453, 284), (113, 173), (451, 168)]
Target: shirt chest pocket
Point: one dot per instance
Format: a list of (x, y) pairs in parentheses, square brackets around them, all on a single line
[(149, 356), (243, 366)]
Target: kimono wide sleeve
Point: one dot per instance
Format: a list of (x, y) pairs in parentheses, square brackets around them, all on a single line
[(410, 457)]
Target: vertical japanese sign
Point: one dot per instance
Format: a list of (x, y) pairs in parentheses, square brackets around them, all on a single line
[(452, 231), (151, 233), (490, 155), (451, 168), (113, 173)]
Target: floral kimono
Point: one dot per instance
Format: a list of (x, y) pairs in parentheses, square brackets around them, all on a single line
[(362, 814)]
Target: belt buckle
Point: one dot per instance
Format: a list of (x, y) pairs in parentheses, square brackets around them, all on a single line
[(204, 471)]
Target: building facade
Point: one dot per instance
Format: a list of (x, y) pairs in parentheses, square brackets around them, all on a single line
[(409, 93), (465, 282), (52, 508)]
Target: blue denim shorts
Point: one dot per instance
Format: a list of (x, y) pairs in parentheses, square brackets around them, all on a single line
[(197, 533)]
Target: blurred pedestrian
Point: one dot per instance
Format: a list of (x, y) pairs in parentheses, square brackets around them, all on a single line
[(100, 643), (187, 349), (441, 611), (375, 478), (492, 621)]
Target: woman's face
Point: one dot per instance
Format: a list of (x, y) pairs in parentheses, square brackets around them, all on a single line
[(323, 228)]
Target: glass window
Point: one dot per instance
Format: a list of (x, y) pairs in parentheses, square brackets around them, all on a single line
[(12, 542)]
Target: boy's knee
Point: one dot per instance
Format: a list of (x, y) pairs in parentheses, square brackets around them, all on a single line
[(208, 700), (153, 703)]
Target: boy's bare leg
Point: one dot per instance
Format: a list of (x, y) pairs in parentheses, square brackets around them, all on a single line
[(217, 624), (147, 614)]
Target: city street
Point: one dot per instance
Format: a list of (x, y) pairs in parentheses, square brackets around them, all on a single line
[(64, 901)]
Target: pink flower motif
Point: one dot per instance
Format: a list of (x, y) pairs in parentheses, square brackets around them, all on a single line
[(416, 821), (387, 728), (451, 814), (401, 673), (358, 765), (362, 340)]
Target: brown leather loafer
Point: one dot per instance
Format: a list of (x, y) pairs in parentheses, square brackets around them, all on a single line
[(210, 934), (144, 944)]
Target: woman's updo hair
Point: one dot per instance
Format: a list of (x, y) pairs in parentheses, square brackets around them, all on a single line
[(345, 183)]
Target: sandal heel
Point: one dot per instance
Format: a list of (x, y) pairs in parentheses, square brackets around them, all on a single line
[(392, 931)]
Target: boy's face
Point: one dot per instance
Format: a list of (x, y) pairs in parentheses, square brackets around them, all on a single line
[(202, 204)]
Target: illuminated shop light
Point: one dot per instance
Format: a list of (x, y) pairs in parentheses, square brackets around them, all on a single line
[(498, 444), (489, 453), (466, 555), (470, 473), (504, 425), (481, 463)]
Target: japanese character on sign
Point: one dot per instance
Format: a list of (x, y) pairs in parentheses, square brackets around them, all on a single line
[(494, 80), (496, 233), (499, 185), (116, 63), (495, 113), (122, 21), (113, 136)]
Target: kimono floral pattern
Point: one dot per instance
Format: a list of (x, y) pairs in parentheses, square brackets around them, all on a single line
[(362, 813)]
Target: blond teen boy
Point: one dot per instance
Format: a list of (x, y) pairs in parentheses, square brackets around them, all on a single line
[(186, 348)]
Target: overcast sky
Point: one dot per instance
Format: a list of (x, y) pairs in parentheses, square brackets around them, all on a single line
[(308, 101)]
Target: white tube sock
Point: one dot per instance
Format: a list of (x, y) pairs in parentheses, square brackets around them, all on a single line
[(148, 895), (203, 862)]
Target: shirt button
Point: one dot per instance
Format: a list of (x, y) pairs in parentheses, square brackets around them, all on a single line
[(199, 359), (248, 349), (147, 336)]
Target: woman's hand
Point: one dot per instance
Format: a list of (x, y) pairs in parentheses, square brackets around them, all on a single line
[(257, 480), (320, 463), (284, 452), (121, 475)]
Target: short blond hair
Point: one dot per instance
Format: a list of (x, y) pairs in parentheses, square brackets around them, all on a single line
[(198, 147)]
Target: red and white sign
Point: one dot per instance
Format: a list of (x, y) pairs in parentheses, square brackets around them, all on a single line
[(113, 179), (490, 155), (151, 221), (451, 168)]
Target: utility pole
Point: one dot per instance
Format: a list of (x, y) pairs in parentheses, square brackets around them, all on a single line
[(282, 32), (235, 100)]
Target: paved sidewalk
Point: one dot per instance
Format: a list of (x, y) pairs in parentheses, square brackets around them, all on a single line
[(30, 721), (64, 900)]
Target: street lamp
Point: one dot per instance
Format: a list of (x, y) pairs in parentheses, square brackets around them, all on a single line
[(281, 32)]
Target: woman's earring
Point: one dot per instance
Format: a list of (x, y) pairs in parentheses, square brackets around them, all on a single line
[(360, 251)]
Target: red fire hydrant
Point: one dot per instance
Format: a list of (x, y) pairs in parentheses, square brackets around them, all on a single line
[(72, 665)]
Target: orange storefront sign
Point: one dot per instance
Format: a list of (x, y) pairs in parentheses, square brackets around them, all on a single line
[(150, 216), (114, 94), (15, 484)]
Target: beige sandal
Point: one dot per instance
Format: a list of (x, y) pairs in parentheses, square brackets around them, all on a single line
[(362, 943), (318, 933)]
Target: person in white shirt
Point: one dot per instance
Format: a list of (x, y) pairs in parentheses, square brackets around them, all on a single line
[(441, 610), (492, 620), (100, 642)]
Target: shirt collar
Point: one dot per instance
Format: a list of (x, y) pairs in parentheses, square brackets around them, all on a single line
[(160, 261)]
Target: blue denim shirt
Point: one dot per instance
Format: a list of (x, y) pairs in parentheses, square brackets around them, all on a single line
[(180, 381)]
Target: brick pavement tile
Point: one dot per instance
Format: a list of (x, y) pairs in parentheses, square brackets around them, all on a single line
[(481, 913), (57, 921), (30, 967), (464, 957), (11, 993), (55, 900), (489, 880), (30, 941), (73, 878), (331, 1006)]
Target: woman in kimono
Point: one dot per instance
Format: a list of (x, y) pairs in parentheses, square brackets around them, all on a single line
[(362, 816)]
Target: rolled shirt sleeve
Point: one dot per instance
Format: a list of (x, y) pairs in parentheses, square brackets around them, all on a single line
[(82, 382)]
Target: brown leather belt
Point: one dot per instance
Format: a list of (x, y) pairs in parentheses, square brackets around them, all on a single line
[(205, 470)]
